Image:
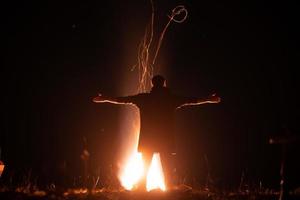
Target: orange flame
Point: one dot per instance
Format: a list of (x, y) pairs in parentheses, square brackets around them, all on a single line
[(134, 170), (155, 176)]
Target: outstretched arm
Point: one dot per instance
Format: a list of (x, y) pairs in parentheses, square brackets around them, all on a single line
[(198, 101), (113, 100)]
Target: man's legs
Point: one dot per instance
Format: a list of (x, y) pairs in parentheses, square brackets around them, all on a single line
[(168, 164)]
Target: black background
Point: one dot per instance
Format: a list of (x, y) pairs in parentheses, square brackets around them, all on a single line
[(58, 55)]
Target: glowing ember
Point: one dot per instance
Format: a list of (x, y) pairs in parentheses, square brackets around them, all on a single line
[(133, 171), (1, 167)]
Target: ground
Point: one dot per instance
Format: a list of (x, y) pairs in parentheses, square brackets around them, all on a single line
[(179, 193)]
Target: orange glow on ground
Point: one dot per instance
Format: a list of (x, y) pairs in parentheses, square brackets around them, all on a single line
[(134, 170)]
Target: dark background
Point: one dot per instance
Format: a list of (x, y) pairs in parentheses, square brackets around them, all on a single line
[(58, 55)]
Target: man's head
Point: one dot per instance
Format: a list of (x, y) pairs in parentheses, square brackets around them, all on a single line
[(158, 81)]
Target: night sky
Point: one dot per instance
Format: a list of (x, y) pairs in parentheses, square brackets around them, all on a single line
[(58, 55)]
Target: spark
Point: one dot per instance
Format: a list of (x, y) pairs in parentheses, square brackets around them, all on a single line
[(145, 64)]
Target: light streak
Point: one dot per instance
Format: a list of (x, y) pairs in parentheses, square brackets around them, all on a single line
[(144, 64)]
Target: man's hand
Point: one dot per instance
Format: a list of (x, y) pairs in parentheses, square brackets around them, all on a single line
[(214, 98), (99, 99)]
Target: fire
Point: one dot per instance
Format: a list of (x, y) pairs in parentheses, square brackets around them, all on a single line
[(134, 170), (155, 176)]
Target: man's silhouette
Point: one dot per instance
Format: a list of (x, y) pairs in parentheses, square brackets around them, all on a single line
[(157, 117)]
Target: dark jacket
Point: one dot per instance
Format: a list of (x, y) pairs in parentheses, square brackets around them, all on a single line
[(157, 118)]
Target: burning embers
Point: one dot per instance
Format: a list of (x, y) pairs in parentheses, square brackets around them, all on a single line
[(134, 172)]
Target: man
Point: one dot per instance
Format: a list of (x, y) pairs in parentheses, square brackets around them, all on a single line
[(157, 110)]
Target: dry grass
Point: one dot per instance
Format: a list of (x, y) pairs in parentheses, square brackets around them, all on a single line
[(182, 192)]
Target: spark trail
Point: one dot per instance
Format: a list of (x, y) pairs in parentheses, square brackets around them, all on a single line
[(145, 64)]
